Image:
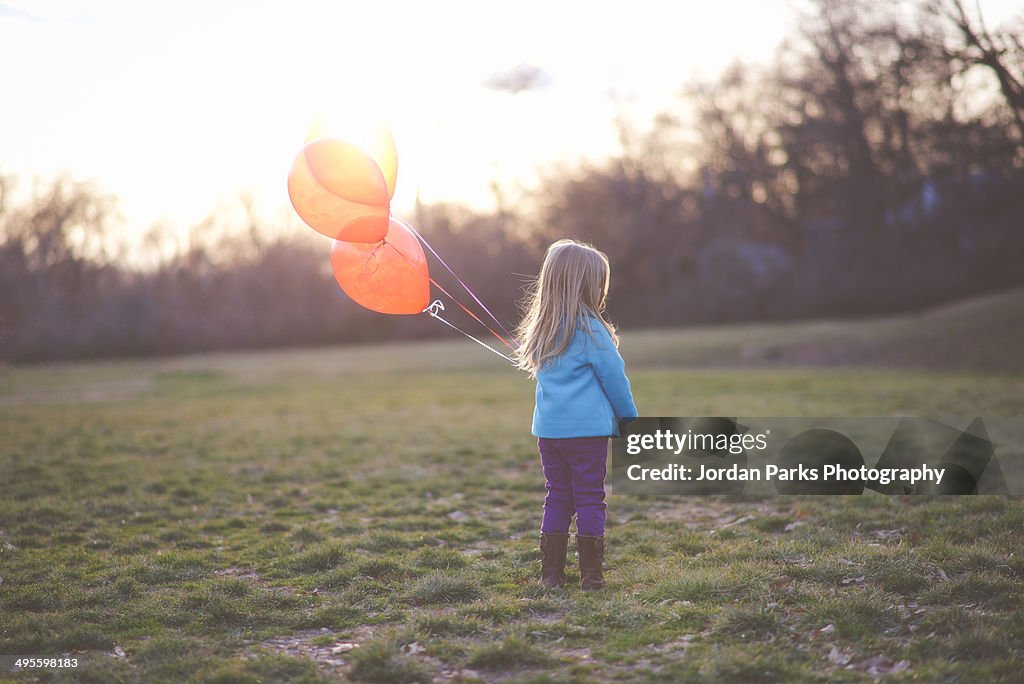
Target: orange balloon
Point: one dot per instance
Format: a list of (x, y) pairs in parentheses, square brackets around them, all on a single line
[(371, 137), (390, 276), (338, 190)]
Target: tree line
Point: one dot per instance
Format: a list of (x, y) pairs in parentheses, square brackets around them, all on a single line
[(875, 164)]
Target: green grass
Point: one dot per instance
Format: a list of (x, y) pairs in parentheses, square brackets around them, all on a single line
[(370, 514)]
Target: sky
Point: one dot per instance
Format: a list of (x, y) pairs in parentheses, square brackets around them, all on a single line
[(179, 108)]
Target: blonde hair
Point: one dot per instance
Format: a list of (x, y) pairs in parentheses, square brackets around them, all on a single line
[(572, 285)]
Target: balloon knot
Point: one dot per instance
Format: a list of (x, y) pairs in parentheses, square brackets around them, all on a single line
[(435, 306)]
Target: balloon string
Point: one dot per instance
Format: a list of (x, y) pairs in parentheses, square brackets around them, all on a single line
[(466, 287), (452, 297), (475, 317), (432, 311)]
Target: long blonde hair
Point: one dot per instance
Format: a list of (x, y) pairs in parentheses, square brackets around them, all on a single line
[(572, 285)]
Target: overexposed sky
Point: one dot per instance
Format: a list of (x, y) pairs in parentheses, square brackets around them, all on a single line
[(179, 107)]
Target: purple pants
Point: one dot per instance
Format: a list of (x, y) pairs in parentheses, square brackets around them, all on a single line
[(575, 470)]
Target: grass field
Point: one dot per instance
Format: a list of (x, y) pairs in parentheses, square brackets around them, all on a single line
[(370, 514)]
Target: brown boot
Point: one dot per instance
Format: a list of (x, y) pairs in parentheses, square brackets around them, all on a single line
[(552, 559), (591, 550)]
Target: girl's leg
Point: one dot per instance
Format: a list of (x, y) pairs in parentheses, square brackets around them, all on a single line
[(558, 504), (588, 461)]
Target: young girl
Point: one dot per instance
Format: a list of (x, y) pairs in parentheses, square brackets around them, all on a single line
[(582, 397)]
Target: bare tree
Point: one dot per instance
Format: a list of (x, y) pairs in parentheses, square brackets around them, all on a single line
[(1001, 51), (520, 78)]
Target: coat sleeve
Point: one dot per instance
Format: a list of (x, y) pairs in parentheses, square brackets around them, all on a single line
[(610, 369)]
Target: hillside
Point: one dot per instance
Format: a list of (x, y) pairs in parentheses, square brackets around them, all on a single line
[(984, 333)]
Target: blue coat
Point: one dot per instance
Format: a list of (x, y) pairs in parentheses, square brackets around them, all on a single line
[(584, 391)]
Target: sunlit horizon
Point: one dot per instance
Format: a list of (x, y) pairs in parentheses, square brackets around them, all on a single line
[(179, 110)]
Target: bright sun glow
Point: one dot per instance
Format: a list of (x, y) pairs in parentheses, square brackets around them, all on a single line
[(178, 107)]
